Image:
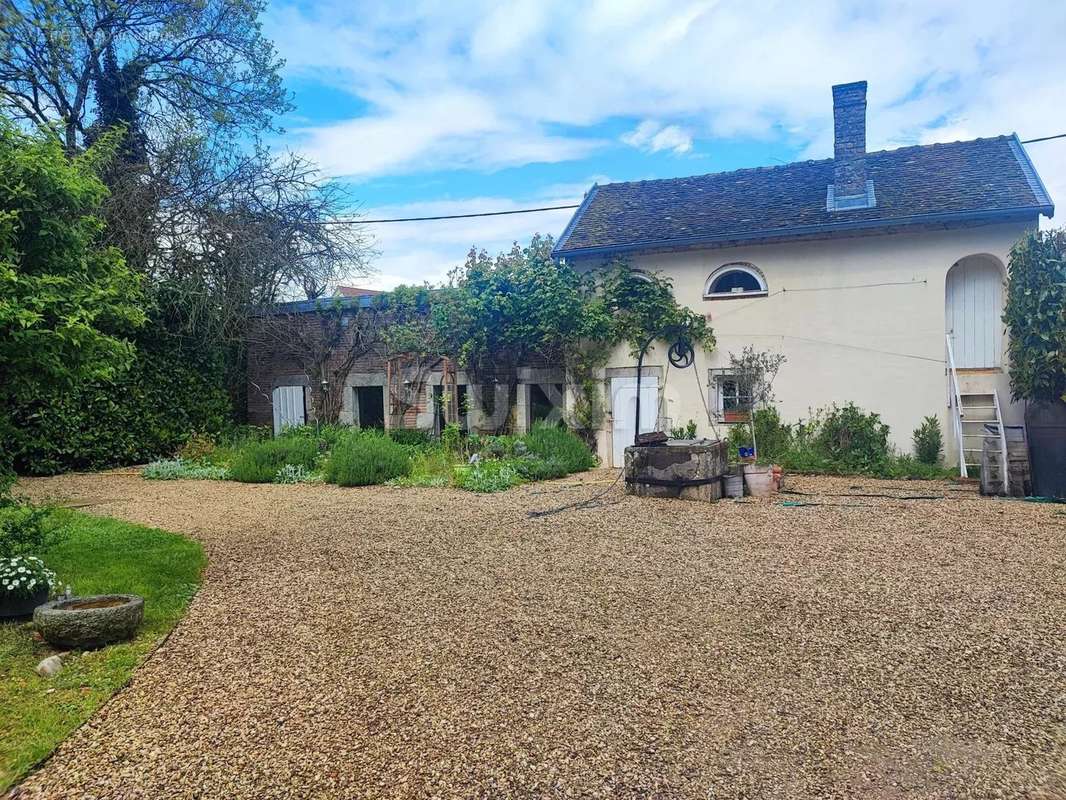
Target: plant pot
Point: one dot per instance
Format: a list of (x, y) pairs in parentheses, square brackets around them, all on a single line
[(21, 606), (88, 622), (759, 480)]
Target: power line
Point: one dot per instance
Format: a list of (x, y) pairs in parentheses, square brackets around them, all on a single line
[(358, 221), (1045, 138)]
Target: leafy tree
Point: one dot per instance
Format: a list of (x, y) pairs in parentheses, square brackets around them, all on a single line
[(217, 225), (67, 301), (642, 307), (1035, 315)]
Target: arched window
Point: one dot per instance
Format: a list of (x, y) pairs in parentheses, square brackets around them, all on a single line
[(735, 280)]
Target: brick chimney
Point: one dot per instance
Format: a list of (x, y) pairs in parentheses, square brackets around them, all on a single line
[(849, 189)]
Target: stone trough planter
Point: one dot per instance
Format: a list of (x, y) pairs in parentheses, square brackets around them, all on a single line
[(88, 622)]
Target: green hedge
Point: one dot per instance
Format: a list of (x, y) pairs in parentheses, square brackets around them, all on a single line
[(171, 390)]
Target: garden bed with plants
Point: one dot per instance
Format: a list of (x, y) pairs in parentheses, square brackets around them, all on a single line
[(88, 555), (840, 440), (348, 456)]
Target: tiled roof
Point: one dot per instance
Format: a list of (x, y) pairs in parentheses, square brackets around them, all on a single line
[(355, 291), (990, 178)]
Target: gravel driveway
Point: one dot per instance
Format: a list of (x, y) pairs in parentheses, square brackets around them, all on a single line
[(428, 643)]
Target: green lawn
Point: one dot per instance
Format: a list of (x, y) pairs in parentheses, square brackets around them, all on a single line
[(98, 556)]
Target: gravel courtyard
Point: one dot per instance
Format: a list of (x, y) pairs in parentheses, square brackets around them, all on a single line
[(388, 642)]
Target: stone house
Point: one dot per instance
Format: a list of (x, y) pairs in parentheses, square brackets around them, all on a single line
[(291, 366), (878, 275)]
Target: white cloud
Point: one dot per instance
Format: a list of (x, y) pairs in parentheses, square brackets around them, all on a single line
[(481, 84), (653, 136)]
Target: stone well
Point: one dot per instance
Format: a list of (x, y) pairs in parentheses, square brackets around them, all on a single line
[(690, 469)]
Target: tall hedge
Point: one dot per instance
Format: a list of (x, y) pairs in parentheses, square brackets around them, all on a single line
[(1035, 315), (172, 388)]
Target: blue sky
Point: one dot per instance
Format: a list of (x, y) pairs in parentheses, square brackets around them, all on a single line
[(455, 107)]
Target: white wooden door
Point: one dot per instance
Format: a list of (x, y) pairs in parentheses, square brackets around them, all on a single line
[(288, 407), (624, 411), (974, 304)]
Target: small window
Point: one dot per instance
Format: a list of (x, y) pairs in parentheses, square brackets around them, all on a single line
[(735, 280), (732, 395)]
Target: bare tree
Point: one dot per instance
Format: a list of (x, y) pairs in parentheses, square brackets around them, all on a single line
[(158, 66), (324, 341)]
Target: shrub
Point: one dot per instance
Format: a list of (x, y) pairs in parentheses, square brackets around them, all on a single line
[(22, 576), (411, 437), (172, 387), (772, 437), (554, 443), (853, 438), (325, 437), (196, 448), (451, 437), (534, 468), (429, 467), (23, 530), (259, 462), (1035, 314), (176, 469), (928, 441), (295, 473), (687, 431), (366, 459), (487, 476)]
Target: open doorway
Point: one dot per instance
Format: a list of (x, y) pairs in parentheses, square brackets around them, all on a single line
[(438, 404), (546, 403), (370, 406)]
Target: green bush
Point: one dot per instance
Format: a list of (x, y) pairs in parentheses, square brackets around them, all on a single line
[(178, 469), (259, 462), (411, 437), (24, 530), (1035, 314), (554, 443), (367, 458), (431, 466), (451, 437), (325, 437), (534, 468), (171, 388), (487, 476), (928, 441), (853, 438)]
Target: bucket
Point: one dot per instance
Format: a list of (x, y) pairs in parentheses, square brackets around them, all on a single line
[(759, 480), (734, 485)]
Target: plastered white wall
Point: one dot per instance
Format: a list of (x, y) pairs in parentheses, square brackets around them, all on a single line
[(844, 338)]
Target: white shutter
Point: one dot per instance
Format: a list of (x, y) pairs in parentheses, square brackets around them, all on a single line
[(974, 304), (289, 408)]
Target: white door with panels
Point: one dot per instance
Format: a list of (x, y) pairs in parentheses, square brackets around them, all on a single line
[(624, 410), (973, 307), (289, 410)]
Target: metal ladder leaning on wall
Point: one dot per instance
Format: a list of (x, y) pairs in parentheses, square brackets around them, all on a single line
[(977, 419)]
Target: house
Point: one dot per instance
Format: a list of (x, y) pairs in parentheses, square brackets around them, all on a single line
[(861, 270), (304, 353)]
